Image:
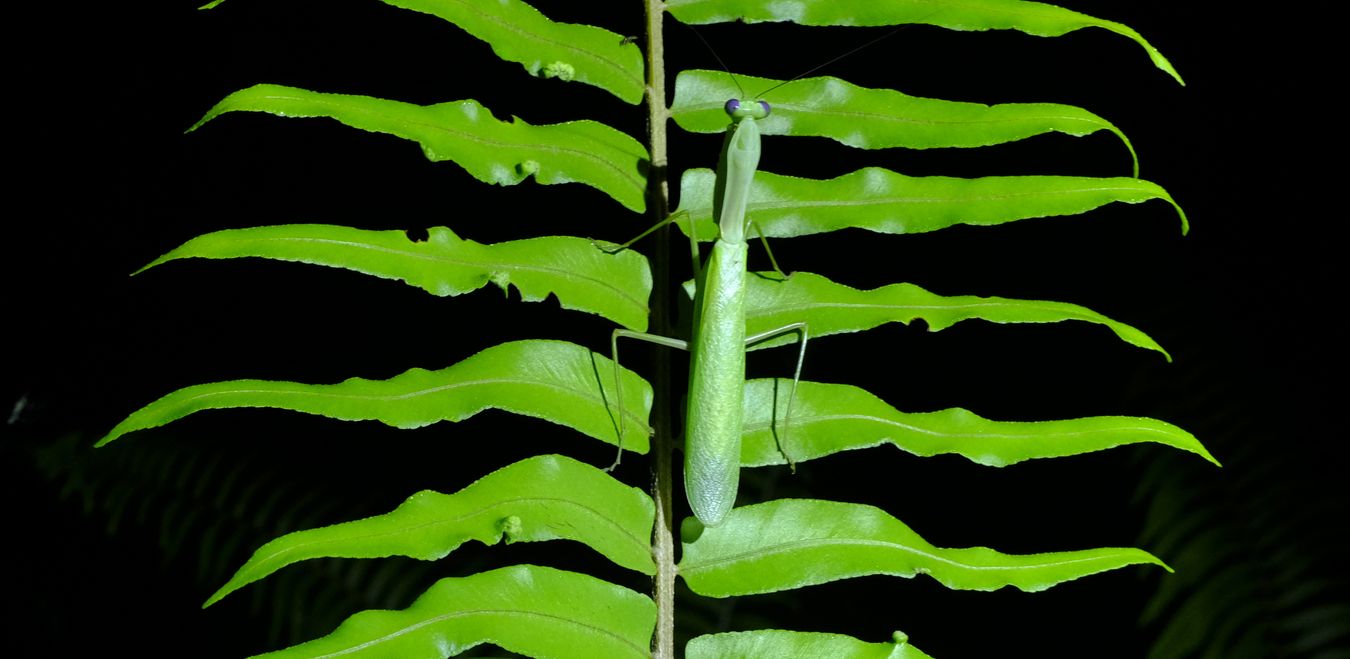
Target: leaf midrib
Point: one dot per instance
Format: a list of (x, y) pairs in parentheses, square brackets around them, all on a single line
[(599, 400), (808, 543), (808, 419)]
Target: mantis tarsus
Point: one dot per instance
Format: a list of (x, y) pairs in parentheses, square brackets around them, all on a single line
[(712, 449)]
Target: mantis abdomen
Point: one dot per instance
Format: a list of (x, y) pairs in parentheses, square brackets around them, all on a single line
[(712, 447), (712, 452)]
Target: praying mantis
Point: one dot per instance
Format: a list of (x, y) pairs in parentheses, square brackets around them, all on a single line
[(713, 413), (713, 417)]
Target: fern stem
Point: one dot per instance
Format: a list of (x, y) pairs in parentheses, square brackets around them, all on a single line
[(658, 199)]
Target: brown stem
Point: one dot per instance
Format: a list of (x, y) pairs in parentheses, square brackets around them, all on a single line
[(663, 445)]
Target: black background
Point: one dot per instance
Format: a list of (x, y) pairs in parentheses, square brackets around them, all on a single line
[(106, 181)]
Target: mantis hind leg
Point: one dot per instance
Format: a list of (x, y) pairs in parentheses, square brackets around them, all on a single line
[(618, 381), (803, 335)]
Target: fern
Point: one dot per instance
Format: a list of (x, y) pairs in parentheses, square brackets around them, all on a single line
[(1257, 566), (775, 545), (207, 506)]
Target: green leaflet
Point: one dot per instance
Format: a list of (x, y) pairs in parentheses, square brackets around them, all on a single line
[(829, 418), (879, 200), (832, 308), (464, 132), (780, 643), (508, 377), (517, 32), (1033, 18), (875, 118), (581, 275), (791, 543), (535, 611), (547, 497)]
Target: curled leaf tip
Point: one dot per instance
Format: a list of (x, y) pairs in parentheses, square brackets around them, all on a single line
[(215, 597), (1129, 146), (200, 122), (147, 266)]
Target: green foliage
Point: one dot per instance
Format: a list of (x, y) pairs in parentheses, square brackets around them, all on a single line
[(548, 497), (576, 390), (464, 132), (776, 545), (789, 206), (537, 611), (614, 285), (833, 308), (1257, 555), (519, 33), (829, 418), (778, 643), (791, 543), (875, 118), (1034, 18), (208, 505)]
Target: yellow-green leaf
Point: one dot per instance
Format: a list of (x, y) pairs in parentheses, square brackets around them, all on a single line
[(547, 497), (792, 543), (833, 308), (875, 118), (829, 418), (781, 643), (582, 275), (1035, 18), (552, 380), (528, 609), (464, 132), (517, 32), (886, 202)]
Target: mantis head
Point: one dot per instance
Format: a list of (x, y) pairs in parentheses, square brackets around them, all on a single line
[(738, 110)]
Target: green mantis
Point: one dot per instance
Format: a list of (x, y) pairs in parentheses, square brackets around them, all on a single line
[(714, 410), (717, 370)]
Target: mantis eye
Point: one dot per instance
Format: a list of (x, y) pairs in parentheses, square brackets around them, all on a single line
[(733, 106), (764, 105)]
